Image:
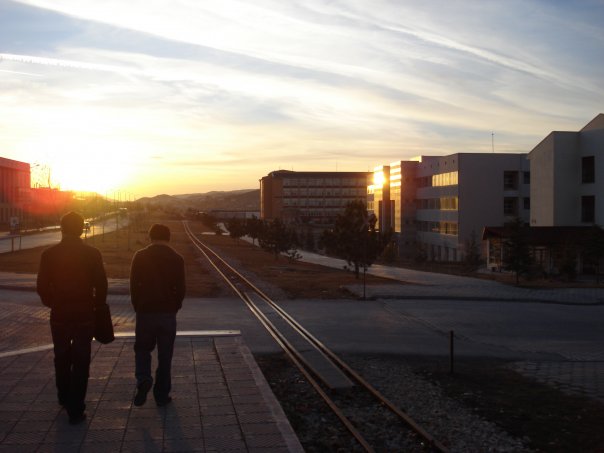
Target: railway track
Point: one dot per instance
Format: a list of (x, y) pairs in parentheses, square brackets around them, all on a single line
[(332, 378)]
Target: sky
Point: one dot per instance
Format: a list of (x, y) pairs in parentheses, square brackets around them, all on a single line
[(185, 96)]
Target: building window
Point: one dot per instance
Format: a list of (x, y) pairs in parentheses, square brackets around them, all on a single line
[(588, 171), (588, 209), (510, 206), (526, 177), (510, 180), (526, 203)]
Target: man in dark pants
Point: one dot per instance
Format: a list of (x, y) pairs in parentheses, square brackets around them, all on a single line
[(157, 289), (72, 282)]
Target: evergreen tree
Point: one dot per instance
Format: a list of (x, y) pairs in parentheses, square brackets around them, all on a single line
[(354, 238), (253, 228), (472, 255), (593, 249), (276, 238), (236, 228), (309, 241), (516, 250)]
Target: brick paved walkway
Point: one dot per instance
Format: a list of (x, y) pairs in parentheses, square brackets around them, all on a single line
[(221, 402)]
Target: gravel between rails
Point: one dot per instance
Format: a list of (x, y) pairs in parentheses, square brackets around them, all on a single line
[(447, 420)]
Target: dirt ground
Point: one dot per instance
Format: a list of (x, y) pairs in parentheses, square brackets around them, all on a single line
[(291, 278)]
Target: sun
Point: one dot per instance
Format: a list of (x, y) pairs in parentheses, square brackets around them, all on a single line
[(88, 175), (88, 167)]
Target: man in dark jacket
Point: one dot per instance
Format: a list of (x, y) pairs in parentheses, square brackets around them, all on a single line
[(72, 282), (157, 289)]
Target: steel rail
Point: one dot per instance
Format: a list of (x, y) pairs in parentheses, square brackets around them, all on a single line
[(431, 440), (291, 352)]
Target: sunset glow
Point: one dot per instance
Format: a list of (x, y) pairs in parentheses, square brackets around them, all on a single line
[(181, 97), (379, 179)]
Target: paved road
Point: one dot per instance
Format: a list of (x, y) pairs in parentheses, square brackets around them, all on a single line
[(558, 344), (9, 243)]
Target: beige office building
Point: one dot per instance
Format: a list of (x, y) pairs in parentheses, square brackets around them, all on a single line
[(310, 197), (567, 171), (435, 205)]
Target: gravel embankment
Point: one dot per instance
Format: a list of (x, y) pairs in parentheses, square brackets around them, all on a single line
[(447, 420)]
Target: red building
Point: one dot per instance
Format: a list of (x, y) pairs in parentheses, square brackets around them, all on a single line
[(15, 183)]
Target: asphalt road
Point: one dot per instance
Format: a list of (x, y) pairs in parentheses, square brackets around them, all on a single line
[(498, 322), (10, 243)]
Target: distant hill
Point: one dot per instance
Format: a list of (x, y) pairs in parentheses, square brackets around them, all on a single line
[(237, 200)]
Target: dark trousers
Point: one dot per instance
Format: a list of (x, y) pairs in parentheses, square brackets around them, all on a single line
[(155, 329), (71, 340)]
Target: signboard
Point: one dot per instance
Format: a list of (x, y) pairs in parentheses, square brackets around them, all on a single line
[(14, 224)]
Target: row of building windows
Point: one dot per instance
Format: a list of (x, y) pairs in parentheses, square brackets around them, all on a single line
[(443, 203), (440, 180), (301, 202), (510, 205), (450, 228), (325, 182), (511, 178), (320, 213), (324, 192)]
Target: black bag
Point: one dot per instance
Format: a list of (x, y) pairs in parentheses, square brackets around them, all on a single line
[(103, 326)]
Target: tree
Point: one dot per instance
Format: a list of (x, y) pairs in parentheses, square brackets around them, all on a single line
[(253, 228), (309, 239), (354, 238), (472, 255), (276, 238), (236, 228), (516, 251), (209, 220), (593, 249)]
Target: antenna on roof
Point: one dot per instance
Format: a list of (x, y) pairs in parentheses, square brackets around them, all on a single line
[(493, 141)]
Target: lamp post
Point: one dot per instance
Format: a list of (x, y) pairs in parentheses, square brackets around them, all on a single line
[(365, 229)]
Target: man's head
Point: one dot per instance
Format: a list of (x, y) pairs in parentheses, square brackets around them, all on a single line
[(72, 224), (159, 232)]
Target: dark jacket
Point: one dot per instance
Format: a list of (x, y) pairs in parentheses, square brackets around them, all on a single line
[(157, 279), (71, 279)]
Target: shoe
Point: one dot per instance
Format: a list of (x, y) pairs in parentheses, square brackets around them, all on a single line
[(163, 401), (141, 393), (77, 419)]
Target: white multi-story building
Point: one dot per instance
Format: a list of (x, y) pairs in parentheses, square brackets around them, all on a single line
[(437, 205), (567, 171)]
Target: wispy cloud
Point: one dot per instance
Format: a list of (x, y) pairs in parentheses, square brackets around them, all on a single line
[(244, 87)]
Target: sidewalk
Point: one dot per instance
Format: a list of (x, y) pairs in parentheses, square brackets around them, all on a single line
[(27, 282), (414, 285), (221, 402), (422, 285)]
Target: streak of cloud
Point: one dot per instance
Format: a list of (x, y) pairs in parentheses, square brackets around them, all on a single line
[(226, 91)]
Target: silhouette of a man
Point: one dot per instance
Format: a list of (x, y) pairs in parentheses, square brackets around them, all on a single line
[(157, 289), (72, 282)]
